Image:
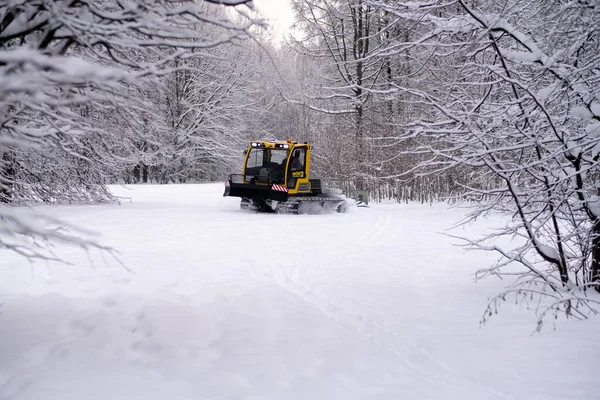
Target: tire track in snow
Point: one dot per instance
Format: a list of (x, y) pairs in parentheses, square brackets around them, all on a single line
[(371, 229), (15, 385), (78, 327), (367, 328), (376, 230), (25, 376)]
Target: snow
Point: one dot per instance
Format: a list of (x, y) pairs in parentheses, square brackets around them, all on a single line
[(549, 252), (522, 56), (547, 91), (595, 108), (594, 205), (581, 112), (593, 130), (64, 64), (216, 303)]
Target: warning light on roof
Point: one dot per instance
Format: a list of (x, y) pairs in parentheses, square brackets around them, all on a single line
[(289, 140)]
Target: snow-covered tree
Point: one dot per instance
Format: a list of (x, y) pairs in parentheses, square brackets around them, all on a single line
[(208, 108), (511, 99), (71, 74), (343, 35), (354, 68)]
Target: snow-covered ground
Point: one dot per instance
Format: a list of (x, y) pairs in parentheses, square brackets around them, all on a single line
[(216, 303)]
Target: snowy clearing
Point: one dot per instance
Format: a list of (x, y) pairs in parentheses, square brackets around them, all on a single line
[(216, 303)]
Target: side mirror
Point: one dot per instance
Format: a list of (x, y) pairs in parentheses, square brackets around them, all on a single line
[(245, 151)]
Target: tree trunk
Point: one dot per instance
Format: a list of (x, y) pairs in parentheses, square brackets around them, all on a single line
[(360, 140), (136, 173), (144, 173), (7, 175), (595, 269)]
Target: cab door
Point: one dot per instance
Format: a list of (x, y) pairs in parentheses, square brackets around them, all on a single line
[(297, 179)]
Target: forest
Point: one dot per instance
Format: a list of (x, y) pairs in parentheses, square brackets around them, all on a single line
[(490, 103)]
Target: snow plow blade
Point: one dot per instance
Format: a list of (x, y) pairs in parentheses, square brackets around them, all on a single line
[(255, 191)]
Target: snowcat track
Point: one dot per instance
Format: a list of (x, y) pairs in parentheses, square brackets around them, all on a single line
[(296, 205)]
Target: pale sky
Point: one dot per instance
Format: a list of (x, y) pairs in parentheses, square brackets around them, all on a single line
[(279, 12)]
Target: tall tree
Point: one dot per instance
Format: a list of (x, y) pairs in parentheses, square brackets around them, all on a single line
[(341, 33)]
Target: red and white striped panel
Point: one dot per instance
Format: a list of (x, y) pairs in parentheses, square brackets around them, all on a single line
[(279, 188)]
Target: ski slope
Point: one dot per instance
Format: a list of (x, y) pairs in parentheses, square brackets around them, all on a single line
[(215, 303)]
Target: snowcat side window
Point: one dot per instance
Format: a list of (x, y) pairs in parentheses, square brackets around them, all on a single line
[(256, 158), (298, 159), (255, 161)]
